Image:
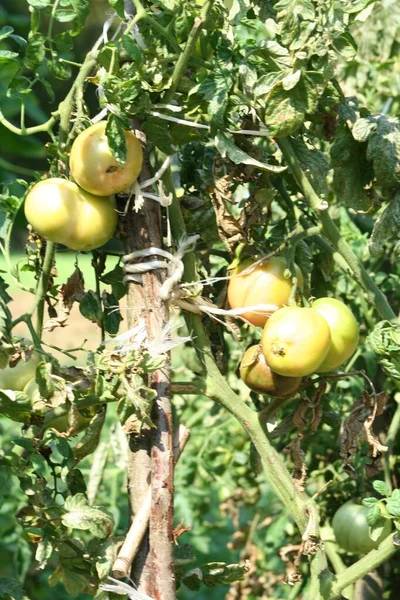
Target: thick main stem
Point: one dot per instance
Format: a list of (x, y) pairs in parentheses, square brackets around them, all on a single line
[(151, 456)]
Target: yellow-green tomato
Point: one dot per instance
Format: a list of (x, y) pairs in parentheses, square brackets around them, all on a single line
[(264, 284), (94, 167), (258, 376), (295, 341), (15, 378), (344, 332), (351, 529), (61, 212)]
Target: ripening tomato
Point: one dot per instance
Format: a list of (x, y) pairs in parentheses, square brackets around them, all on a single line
[(295, 341), (15, 378), (351, 529), (61, 212), (94, 167), (344, 332), (265, 284), (258, 376)]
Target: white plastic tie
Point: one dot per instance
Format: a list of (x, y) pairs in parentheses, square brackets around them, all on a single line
[(173, 264), (119, 587)]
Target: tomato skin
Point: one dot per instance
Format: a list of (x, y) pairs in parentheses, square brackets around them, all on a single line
[(15, 378), (295, 341), (94, 167), (350, 527), (265, 284), (258, 376), (61, 212), (344, 332)]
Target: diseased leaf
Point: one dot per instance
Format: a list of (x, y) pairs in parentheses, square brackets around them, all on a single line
[(351, 170), (35, 51), (226, 147), (16, 406), (43, 552), (386, 226), (314, 163), (80, 515), (6, 56), (384, 150)]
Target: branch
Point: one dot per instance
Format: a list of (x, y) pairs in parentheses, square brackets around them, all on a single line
[(333, 234), (367, 563), (44, 127)]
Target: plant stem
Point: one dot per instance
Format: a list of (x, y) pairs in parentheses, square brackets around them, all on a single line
[(333, 234), (41, 289), (44, 127), (337, 564), (367, 563), (183, 59), (4, 164)]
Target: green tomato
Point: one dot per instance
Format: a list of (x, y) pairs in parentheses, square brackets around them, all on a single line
[(15, 378), (351, 528), (344, 332)]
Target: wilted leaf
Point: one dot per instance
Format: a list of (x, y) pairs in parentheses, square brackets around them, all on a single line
[(226, 147), (82, 516)]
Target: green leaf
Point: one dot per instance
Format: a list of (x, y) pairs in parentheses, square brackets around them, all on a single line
[(15, 405), (90, 307), (60, 70), (226, 147), (357, 5), (267, 82), (6, 56), (346, 46), (369, 501), (81, 516), (35, 51), (82, 9), (116, 138), (216, 90), (393, 504), (381, 487), (39, 3), (118, 6), (5, 32), (10, 589), (374, 515), (132, 49), (5, 313), (159, 135), (112, 315)]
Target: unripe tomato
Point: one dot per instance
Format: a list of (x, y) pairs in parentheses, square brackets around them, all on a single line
[(344, 332), (94, 167), (351, 530), (15, 378), (295, 341), (61, 212), (265, 284), (258, 376)]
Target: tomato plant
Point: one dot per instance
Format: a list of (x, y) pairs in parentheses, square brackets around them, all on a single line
[(344, 332), (258, 376), (62, 212), (295, 341), (265, 283), (94, 166), (262, 129), (351, 528)]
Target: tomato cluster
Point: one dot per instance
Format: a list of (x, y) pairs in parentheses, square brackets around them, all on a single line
[(82, 215), (296, 341)]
